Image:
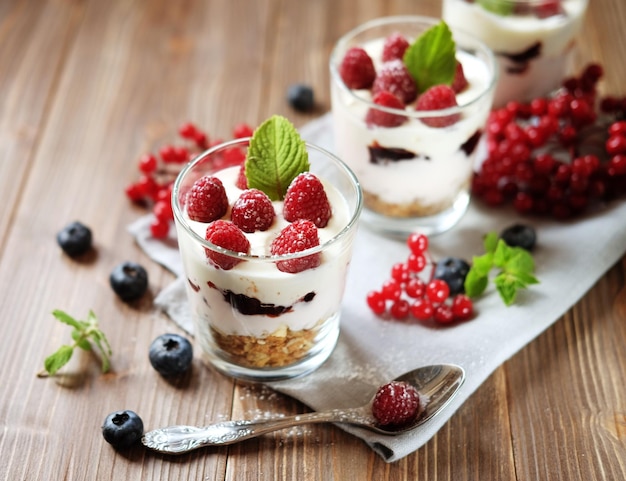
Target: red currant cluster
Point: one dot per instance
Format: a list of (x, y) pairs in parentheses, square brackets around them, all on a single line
[(556, 156), (407, 295), (158, 171)]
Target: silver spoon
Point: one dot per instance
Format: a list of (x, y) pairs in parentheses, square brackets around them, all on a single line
[(436, 384)]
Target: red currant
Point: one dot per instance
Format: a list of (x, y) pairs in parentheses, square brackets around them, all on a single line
[(148, 163), (159, 228), (437, 290), (416, 263), (422, 309), (462, 307), (392, 290), (400, 309), (418, 243), (415, 288), (376, 302), (443, 314), (400, 272)]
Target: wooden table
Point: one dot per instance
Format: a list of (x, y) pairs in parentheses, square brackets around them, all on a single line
[(86, 86)]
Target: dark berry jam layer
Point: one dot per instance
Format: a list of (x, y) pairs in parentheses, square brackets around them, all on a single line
[(251, 306)]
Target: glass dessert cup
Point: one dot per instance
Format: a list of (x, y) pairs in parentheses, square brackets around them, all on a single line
[(415, 177), (254, 321), (532, 39)]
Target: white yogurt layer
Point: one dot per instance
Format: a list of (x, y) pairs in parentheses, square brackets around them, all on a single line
[(261, 279), (441, 169), (513, 34)]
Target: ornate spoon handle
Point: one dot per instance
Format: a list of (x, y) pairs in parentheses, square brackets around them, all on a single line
[(181, 439)]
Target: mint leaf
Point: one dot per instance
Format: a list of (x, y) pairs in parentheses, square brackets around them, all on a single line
[(83, 333), (499, 7), (276, 155), (431, 58), (475, 283), (516, 270), (491, 242), (58, 359)]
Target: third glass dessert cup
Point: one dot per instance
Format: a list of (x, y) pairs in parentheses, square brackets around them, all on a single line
[(532, 40), (415, 175)]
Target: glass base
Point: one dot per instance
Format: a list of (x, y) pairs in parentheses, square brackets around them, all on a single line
[(432, 225), (325, 343)]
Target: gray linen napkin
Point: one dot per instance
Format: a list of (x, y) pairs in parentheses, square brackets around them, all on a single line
[(570, 257)]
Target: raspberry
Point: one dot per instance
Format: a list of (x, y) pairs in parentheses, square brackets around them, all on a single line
[(394, 47), (357, 69), (394, 77), (227, 235), (396, 404), (382, 118), (207, 201), (253, 211), (297, 237), (242, 180), (459, 83), (437, 98), (306, 199)]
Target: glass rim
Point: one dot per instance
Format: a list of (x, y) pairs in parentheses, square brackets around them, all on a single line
[(180, 219), (417, 19)]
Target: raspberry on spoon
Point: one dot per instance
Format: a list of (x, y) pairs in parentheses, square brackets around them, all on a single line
[(396, 404)]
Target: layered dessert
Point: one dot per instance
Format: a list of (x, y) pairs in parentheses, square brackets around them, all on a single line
[(265, 270), (410, 134), (531, 39)]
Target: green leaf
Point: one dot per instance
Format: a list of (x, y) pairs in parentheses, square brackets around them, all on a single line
[(499, 7), (482, 264), (276, 156), (65, 318), (431, 58), (475, 283), (520, 260), (490, 242), (58, 359), (506, 289), (81, 341), (83, 333), (502, 254)]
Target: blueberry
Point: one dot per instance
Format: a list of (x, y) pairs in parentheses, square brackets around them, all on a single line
[(75, 239), (300, 97), (171, 355), (520, 235), (129, 280), (453, 271), (122, 429)]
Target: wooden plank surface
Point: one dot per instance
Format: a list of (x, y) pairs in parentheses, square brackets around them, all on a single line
[(85, 88)]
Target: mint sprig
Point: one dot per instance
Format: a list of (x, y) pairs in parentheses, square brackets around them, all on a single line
[(84, 333), (431, 58), (516, 269), (276, 156), (499, 7)]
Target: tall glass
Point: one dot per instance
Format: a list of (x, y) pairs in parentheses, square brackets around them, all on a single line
[(416, 175), (255, 321), (533, 40)]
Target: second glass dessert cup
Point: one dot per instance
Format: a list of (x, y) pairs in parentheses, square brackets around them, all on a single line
[(255, 321), (416, 175)]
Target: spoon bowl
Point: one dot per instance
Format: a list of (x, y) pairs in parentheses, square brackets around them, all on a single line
[(436, 384)]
